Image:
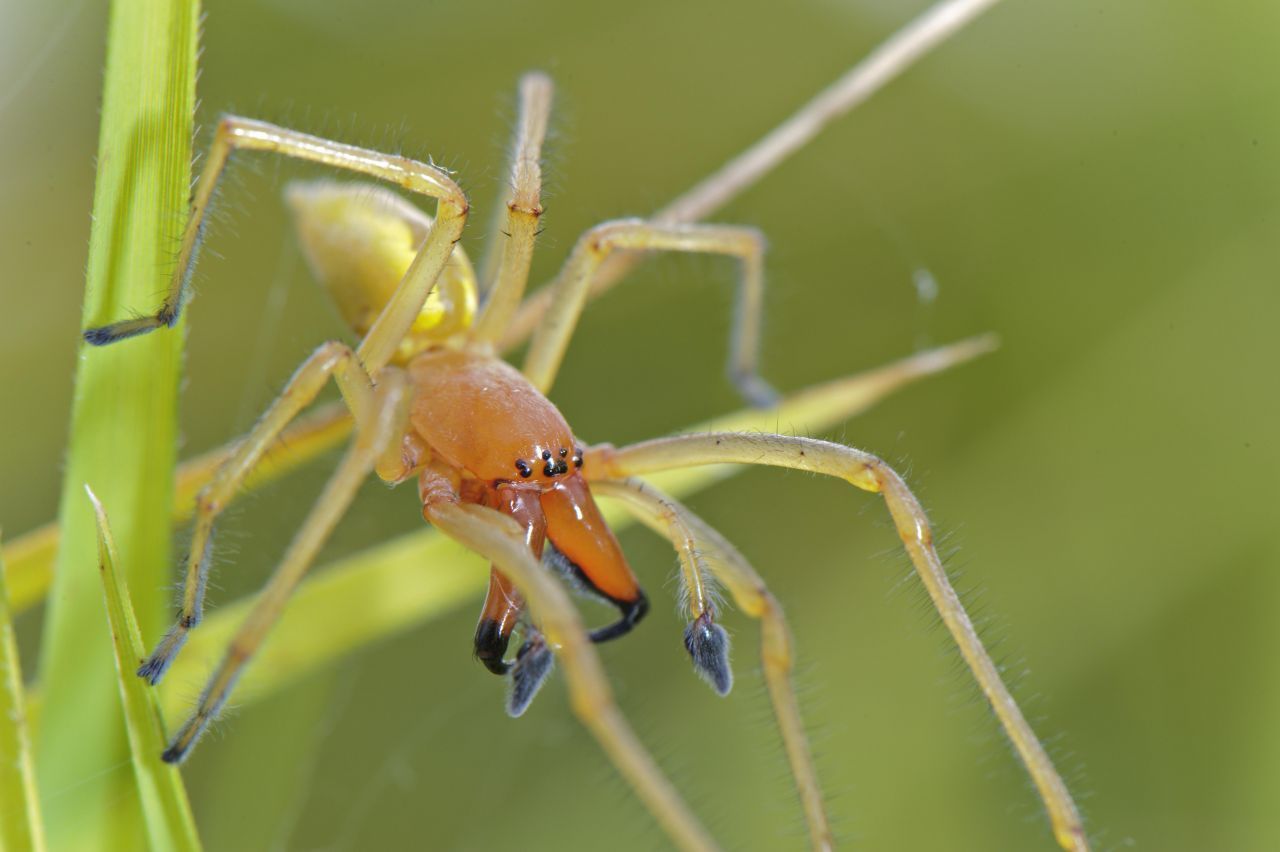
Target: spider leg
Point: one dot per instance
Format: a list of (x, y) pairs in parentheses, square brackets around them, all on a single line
[(501, 540), (702, 549), (869, 473), (890, 58), (505, 279), (387, 414), (235, 134), (503, 604), (331, 359), (572, 285)]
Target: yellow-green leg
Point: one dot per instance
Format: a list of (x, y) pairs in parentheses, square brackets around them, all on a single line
[(381, 429), (505, 272), (869, 473), (892, 57), (702, 549), (570, 289), (500, 540), (332, 359), (234, 133)]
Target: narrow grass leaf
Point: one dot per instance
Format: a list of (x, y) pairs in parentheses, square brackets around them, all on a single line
[(21, 828), (167, 813)]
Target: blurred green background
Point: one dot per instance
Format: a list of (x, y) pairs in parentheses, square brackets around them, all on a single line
[(1096, 182)]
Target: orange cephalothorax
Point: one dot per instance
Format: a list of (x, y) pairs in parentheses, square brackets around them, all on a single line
[(482, 416)]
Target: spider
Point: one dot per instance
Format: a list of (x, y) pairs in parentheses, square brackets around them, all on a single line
[(498, 468)]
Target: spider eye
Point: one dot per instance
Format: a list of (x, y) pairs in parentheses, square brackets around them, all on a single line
[(523, 467), (546, 455)]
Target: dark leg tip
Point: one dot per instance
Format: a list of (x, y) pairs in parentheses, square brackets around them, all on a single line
[(173, 754), (708, 645), (100, 336), (105, 334), (530, 671), (153, 668)]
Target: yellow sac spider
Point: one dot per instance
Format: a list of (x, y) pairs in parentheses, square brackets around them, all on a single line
[(498, 468)]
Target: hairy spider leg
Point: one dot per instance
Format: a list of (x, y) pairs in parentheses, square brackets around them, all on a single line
[(234, 134), (702, 548), (374, 435), (353, 371), (876, 70), (504, 277), (869, 473), (331, 360), (503, 604), (572, 284), (501, 540)]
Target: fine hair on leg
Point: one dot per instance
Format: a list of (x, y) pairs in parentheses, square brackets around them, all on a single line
[(890, 58), (383, 426), (234, 133), (572, 285), (330, 360), (867, 472), (500, 539), (697, 542), (504, 273)]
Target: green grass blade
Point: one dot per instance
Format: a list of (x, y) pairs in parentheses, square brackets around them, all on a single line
[(21, 828), (169, 823), (123, 426), (387, 589)]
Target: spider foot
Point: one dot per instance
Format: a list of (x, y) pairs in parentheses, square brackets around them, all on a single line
[(533, 664), (106, 334), (708, 645), (154, 667)]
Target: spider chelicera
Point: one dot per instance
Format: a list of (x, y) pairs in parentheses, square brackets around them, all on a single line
[(498, 468)]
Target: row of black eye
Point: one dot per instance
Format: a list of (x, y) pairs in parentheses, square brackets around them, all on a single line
[(551, 468)]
